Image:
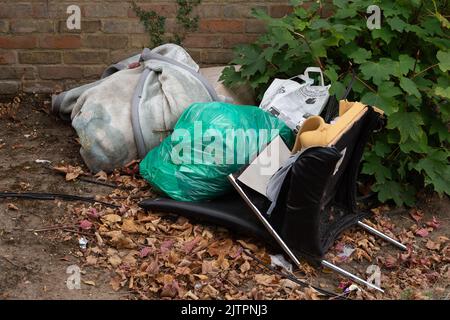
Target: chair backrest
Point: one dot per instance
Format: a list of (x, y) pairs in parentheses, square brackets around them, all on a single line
[(318, 197)]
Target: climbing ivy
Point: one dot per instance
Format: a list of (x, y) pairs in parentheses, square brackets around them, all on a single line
[(401, 68), (155, 24)]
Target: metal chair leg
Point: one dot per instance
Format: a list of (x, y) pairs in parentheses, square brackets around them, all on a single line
[(382, 235), (350, 275), (286, 248)]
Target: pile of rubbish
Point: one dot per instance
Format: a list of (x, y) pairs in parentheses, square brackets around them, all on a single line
[(292, 161), (154, 104)]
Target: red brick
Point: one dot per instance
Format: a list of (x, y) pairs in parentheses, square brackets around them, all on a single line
[(40, 57), (108, 10), (255, 26), (7, 57), (195, 54), (228, 26), (209, 11), (17, 72), (203, 41), (86, 27), (40, 10), (9, 87), (105, 41), (93, 72), (241, 11), (165, 10), (232, 40), (279, 11), (60, 72), (42, 86), (18, 42), (15, 10), (4, 26), (86, 57), (216, 57), (60, 42), (140, 41), (121, 54), (28, 26), (122, 26)]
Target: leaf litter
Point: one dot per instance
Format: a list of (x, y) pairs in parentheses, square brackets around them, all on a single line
[(158, 256)]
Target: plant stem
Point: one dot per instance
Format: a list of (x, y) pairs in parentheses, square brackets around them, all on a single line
[(366, 84), (310, 48), (425, 70)]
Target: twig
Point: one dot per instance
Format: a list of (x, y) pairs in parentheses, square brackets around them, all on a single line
[(292, 277), (424, 70), (78, 232), (11, 262), (365, 84), (49, 228), (310, 48)]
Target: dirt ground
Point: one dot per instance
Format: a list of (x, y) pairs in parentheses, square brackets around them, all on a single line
[(33, 263)]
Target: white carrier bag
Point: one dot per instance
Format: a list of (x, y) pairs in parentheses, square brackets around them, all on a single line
[(294, 102)]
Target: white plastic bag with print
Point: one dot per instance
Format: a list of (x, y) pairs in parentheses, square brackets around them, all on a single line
[(294, 102)]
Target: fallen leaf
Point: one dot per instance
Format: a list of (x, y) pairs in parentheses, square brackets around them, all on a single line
[(153, 267), (111, 218), (166, 246), (433, 245), (245, 267), (119, 240), (390, 262), (248, 246), (422, 232), (91, 260), (85, 224), (264, 279), (145, 252), (190, 245), (207, 267), (93, 213), (89, 282), (434, 223), (130, 226), (12, 206), (101, 176), (416, 215), (115, 261)]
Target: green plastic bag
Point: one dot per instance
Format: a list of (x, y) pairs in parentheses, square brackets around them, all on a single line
[(209, 142)]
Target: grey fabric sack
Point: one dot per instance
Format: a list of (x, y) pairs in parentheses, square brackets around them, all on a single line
[(128, 112)]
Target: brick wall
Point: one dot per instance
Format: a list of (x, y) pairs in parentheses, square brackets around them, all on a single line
[(39, 54)]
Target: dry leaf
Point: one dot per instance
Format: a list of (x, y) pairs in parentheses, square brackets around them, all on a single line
[(248, 246), (89, 282), (422, 232), (12, 206), (114, 260), (245, 267), (111, 218), (91, 260), (433, 245), (85, 224), (264, 279), (417, 215)]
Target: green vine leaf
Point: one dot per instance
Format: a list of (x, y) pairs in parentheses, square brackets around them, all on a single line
[(437, 170), (444, 60), (410, 87), (401, 68), (378, 71), (408, 124)]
